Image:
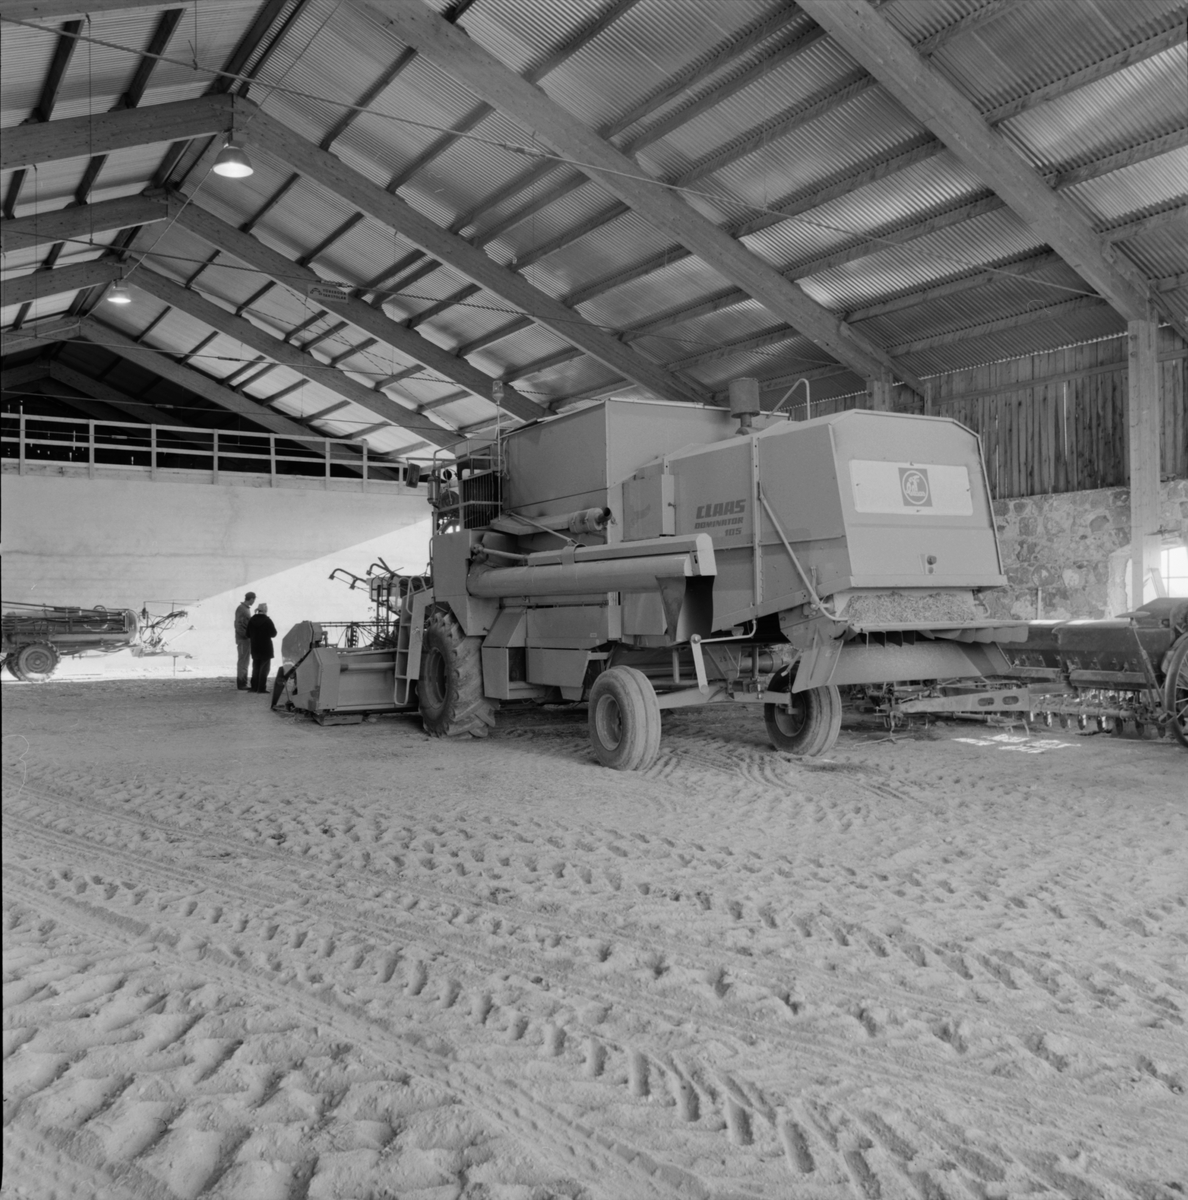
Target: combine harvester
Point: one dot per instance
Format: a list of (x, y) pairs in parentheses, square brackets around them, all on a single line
[(647, 556)]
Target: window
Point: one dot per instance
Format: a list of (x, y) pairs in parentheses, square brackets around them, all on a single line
[(1173, 575)]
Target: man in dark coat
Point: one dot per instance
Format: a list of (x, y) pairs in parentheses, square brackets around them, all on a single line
[(243, 647), (261, 631)]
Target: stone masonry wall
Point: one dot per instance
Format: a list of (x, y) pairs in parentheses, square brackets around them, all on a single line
[(1057, 550)]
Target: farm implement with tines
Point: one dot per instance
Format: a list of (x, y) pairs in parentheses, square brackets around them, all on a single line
[(36, 637), (1127, 675)]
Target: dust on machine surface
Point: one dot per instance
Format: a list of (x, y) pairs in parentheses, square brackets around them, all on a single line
[(648, 556)]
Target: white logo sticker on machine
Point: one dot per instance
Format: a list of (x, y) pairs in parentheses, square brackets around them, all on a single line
[(932, 489)]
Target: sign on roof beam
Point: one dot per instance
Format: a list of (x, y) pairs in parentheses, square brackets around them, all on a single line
[(356, 311), (414, 23), (271, 137), (82, 137), (272, 347), (39, 284), (870, 38)]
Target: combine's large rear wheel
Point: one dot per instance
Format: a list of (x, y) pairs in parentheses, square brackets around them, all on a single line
[(450, 689), (34, 663), (624, 719), (810, 725), (1175, 691)]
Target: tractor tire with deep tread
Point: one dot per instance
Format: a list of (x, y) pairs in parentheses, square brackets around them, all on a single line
[(812, 725), (1175, 691), (624, 720), (35, 663), (450, 689)]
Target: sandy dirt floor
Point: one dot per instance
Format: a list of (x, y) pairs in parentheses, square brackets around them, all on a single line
[(249, 957)]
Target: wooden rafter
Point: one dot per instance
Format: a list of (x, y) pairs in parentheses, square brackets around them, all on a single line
[(79, 137), (271, 137), (941, 107), (416, 24), (40, 284), (170, 369), (272, 347), (125, 405), (371, 320)]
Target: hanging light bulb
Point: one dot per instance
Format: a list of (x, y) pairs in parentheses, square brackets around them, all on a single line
[(118, 294), (232, 162)]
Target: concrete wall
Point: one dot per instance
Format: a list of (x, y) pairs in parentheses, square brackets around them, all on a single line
[(119, 543), (1065, 554)]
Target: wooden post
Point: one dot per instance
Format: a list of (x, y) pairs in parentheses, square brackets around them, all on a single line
[(880, 393), (21, 447), (1142, 418), (214, 458), (365, 464), (326, 447), (152, 452), (272, 460), (90, 449)]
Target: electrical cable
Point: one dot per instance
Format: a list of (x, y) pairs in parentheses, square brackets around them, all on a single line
[(539, 153)]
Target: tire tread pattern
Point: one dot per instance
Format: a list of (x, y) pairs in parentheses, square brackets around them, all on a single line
[(466, 709), (640, 712)]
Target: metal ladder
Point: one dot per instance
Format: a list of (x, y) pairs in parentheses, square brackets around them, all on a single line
[(410, 630)]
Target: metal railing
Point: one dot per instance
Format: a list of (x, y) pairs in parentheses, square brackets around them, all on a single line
[(99, 445)]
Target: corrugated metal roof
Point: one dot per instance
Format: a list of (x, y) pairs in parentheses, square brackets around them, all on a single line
[(892, 211)]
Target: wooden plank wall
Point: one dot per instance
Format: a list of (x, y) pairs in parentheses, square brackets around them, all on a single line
[(1056, 422)]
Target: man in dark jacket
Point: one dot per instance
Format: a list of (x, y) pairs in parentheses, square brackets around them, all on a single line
[(243, 647), (261, 631)]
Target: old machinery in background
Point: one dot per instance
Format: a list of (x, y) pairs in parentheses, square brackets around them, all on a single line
[(1124, 675), (36, 637)]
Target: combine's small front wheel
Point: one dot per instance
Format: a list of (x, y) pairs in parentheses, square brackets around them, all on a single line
[(1175, 691), (810, 726), (34, 663), (624, 719), (450, 689)]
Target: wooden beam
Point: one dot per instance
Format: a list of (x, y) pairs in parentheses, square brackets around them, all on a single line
[(63, 52), (166, 24), (79, 137), (323, 413), (272, 347), (57, 10), (126, 405), (95, 410), (15, 377), (39, 284), (271, 137), (202, 385), (40, 333), (414, 23), (867, 35), (1142, 425), (1029, 266), (1052, 312)]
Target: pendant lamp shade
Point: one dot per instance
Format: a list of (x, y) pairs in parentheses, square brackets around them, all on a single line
[(232, 162), (118, 294)]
